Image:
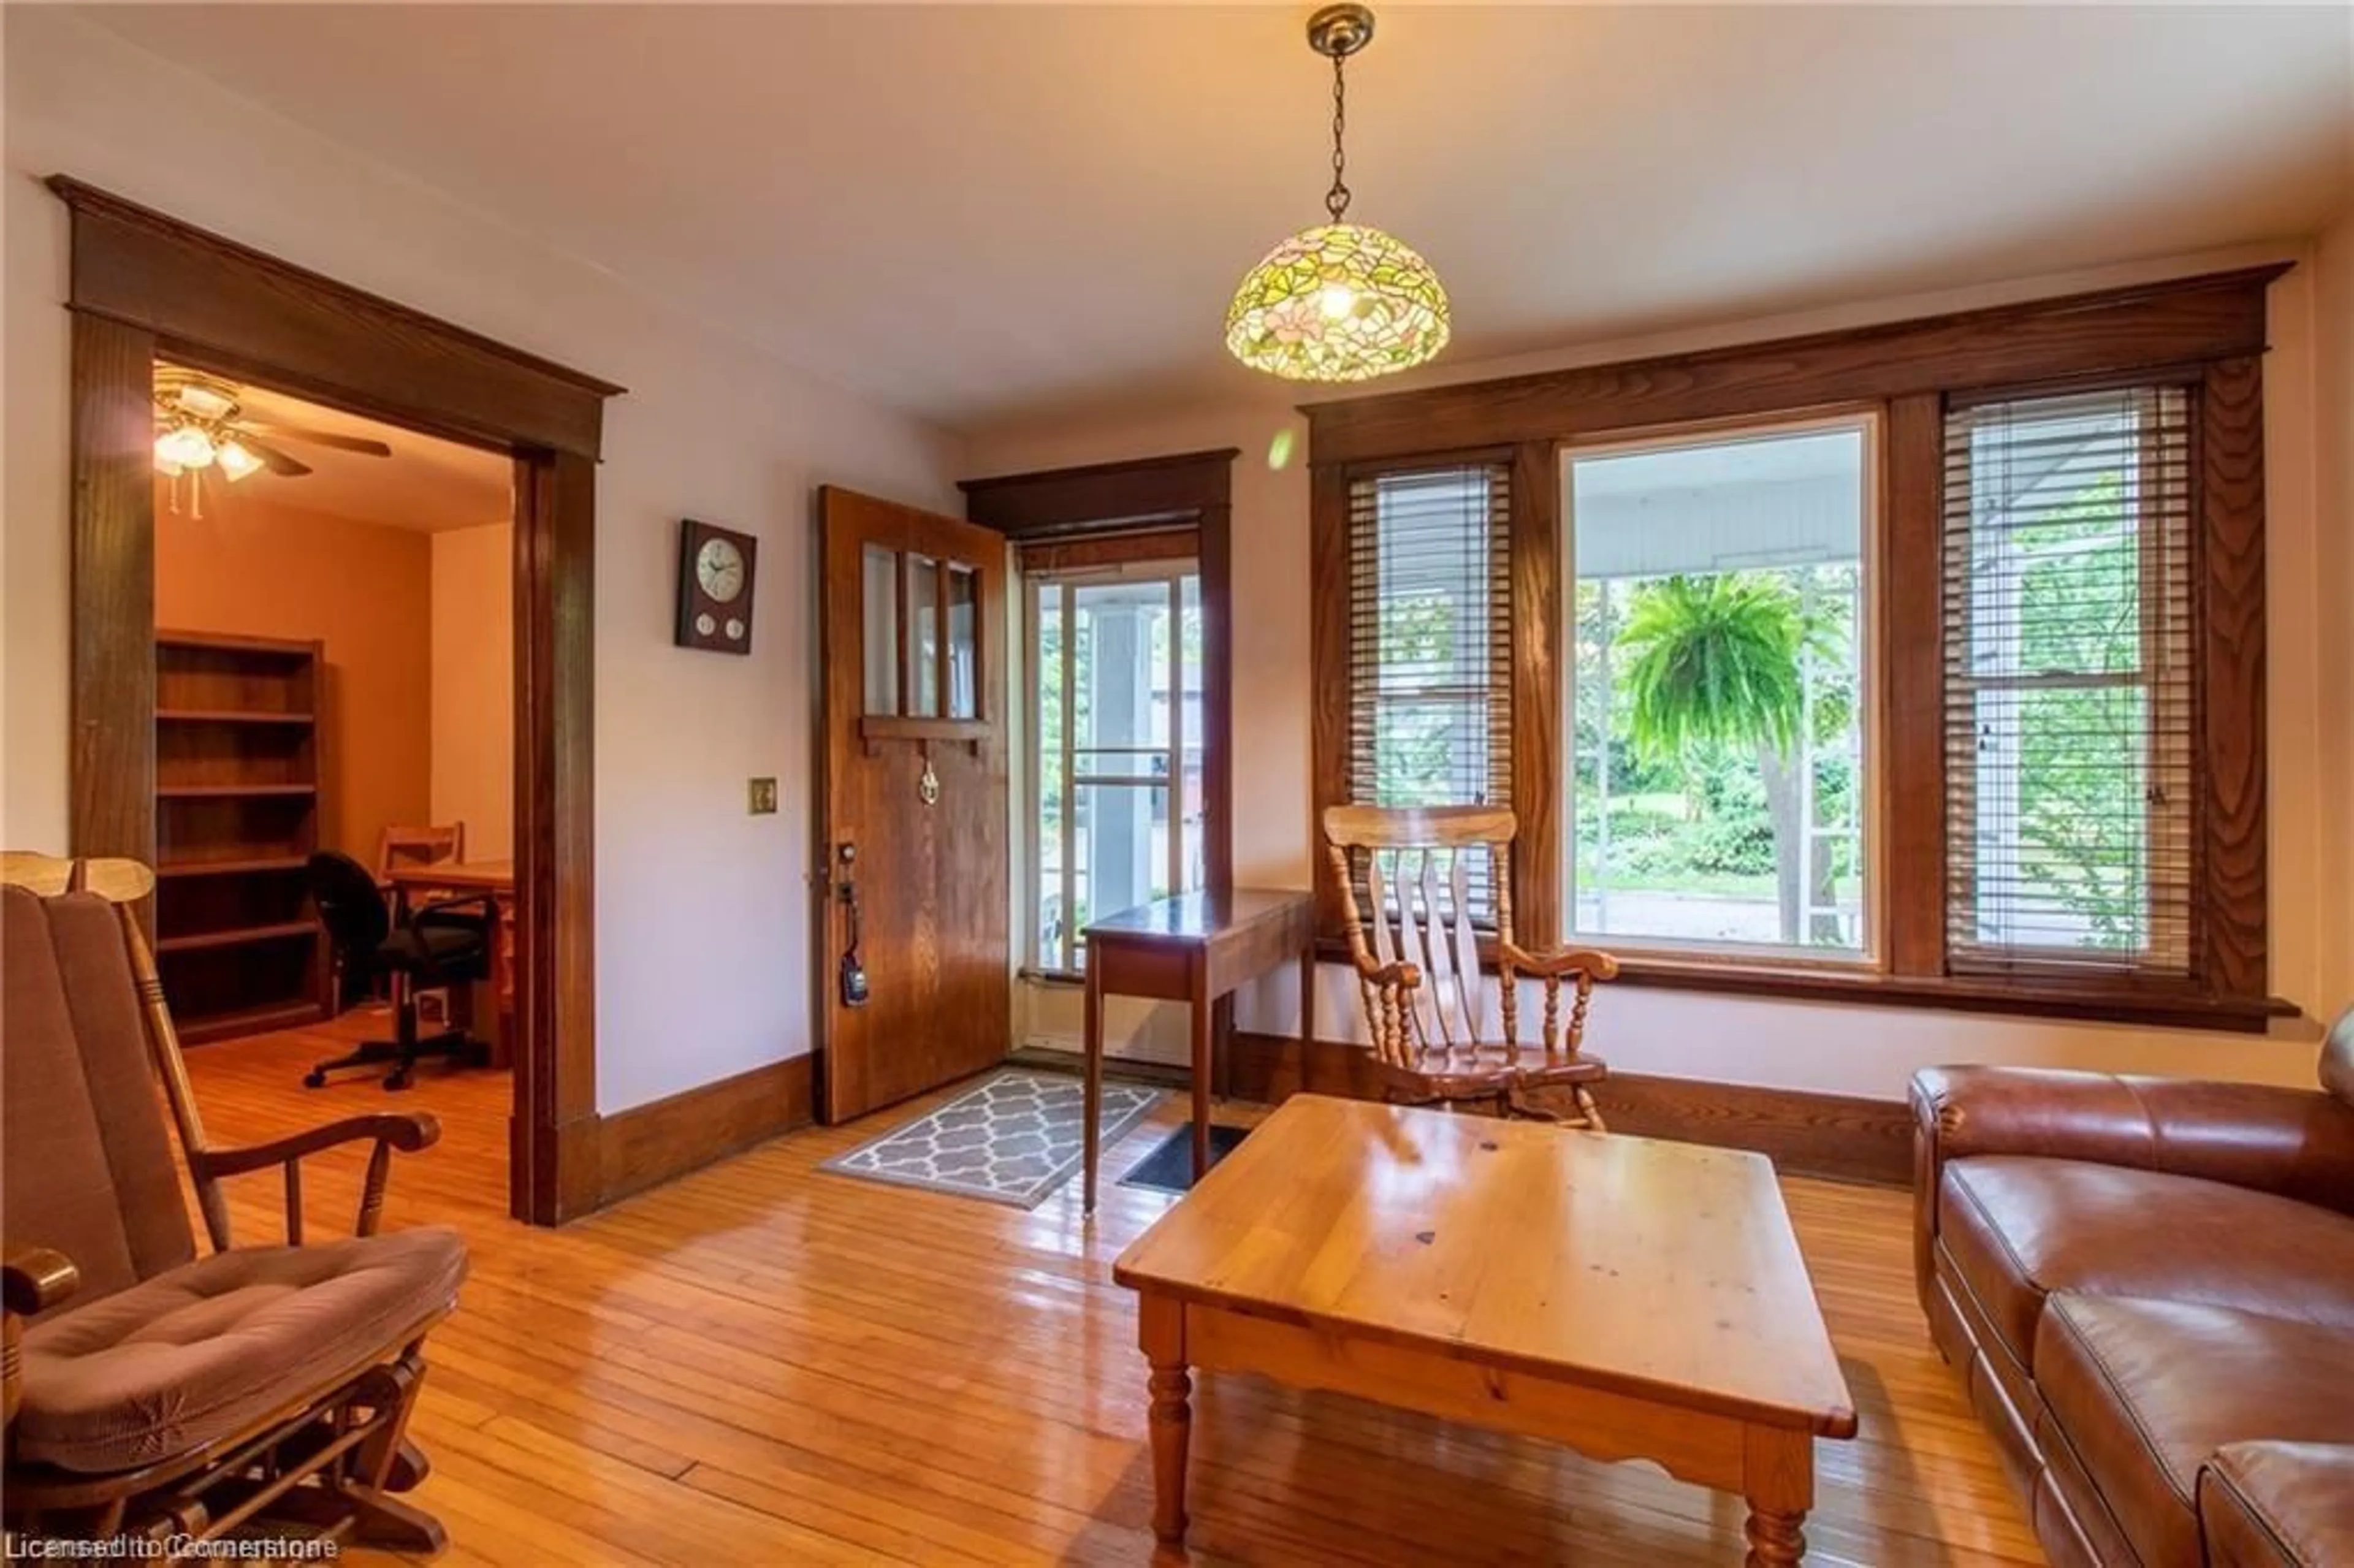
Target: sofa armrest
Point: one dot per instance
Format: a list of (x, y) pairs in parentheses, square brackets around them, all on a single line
[(2296, 1142)]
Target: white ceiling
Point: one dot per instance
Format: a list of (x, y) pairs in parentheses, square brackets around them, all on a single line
[(426, 484), (980, 212)]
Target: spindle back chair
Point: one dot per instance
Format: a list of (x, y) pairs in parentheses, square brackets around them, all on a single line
[(1445, 1030)]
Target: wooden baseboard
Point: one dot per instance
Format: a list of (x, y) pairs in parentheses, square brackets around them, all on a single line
[(650, 1144), (1843, 1137)]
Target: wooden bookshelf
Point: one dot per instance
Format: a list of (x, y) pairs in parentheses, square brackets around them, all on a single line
[(237, 797)]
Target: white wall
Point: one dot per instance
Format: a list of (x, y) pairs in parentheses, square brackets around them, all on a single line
[(1844, 1049), (471, 766), (703, 942)]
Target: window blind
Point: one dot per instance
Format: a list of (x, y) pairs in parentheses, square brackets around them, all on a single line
[(2070, 701), (1430, 662)]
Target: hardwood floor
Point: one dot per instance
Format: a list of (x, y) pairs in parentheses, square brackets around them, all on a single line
[(763, 1363)]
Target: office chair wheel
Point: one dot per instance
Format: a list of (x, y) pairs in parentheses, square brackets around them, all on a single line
[(396, 1081), (314, 1079)]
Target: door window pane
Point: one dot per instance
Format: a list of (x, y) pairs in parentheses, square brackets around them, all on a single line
[(879, 574), (1718, 793), (964, 656), (1049, 837), (922, 636), (1118, 701)]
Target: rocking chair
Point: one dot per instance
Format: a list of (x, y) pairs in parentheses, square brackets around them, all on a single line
[(150, 1392), (1442, 1034)]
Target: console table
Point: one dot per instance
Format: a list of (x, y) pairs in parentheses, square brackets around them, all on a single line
[(1194, 949)]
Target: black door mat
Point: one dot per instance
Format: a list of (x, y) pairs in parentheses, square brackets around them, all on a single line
[(1169, 1166)]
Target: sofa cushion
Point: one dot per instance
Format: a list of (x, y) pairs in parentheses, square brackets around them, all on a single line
[(2018, 1227), (2143, 1392), (2264, 1503), (215, 1346)]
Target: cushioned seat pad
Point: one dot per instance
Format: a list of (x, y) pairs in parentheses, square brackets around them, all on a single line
[(2279, 1502), (2145, 1392), (211, 1348), (2018, 1228)]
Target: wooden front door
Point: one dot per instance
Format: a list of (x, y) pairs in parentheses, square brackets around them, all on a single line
[(916, 968)]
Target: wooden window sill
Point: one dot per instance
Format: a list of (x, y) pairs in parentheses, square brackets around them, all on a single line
[(2101, 1002)]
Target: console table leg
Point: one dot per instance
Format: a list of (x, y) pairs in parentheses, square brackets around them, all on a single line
[(1775, 1539), (1160, 1323), (1091, 1111)]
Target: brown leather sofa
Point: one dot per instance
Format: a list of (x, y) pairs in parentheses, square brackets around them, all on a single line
[(2149, 1285)]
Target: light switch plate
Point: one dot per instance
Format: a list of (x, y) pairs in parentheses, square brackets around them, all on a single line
[(764, 797)]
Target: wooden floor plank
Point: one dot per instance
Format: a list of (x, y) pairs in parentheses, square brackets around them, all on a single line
[(769, 1364)]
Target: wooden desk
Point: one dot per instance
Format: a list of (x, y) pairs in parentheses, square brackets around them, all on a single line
[(423, 884), (1631, 1299), (1192, 948)]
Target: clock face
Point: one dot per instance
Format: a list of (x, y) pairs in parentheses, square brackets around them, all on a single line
[(735, 630), (705, 624), (719, 570)]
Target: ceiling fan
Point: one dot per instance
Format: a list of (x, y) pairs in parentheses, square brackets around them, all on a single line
[(200, 424)]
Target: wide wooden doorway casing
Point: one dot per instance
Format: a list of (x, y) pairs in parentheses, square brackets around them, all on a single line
[(145, 286)]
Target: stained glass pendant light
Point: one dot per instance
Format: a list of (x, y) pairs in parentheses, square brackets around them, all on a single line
[(1340, 301)]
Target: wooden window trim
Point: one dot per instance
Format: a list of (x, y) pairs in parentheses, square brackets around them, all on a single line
[(2206, 332)]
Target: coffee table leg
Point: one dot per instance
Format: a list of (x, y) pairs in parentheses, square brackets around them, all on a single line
[(1161, 1324), (1779, 1479), (1775, 1539)]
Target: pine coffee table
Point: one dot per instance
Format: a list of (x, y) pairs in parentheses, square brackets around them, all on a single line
[(1631, 1299)]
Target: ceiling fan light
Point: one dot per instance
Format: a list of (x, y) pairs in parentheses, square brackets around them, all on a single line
[(186, 447), (1338, 302), (237, 461)]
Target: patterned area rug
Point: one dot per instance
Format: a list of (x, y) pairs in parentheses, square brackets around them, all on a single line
[(1010, 1140)]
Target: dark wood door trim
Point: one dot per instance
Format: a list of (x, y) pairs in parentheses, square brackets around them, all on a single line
[(249, 314), (145, 285), (1102, 497)]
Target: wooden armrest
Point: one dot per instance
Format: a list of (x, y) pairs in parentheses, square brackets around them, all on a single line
[(1560, 961), (1401, 973), (407, 1131), (35, 1279)]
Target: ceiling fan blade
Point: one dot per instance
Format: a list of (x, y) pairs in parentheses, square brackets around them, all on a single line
[(274, 460), (342, 443)]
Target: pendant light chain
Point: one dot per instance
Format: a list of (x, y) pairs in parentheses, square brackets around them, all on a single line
[(1336, 200)]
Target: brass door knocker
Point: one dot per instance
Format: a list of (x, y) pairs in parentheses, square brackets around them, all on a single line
[(927, 787)]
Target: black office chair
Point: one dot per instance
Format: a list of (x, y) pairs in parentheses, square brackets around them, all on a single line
[(445, 943)]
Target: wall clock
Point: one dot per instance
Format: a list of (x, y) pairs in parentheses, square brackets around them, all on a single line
[(714, 587)]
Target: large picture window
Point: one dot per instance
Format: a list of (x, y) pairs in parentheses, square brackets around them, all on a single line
[(1718, 786)]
